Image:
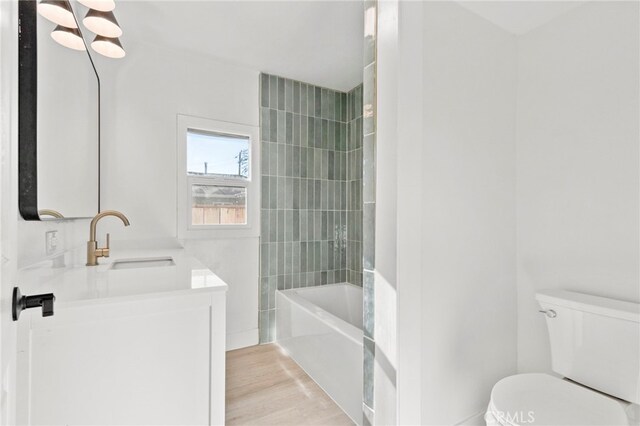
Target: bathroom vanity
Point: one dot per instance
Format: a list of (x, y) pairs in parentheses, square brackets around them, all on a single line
[(138, 339), (135, 338)]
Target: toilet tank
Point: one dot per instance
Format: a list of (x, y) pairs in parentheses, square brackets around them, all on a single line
[(594, 341)]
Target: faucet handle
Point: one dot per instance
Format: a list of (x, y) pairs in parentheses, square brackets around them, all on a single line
[(105, 250)]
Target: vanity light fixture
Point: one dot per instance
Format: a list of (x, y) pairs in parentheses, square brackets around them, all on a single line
[(68, 37), (108, 46), (58, 11), (102, 23), (101, 5)]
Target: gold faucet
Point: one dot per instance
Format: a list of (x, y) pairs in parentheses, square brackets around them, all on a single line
[(93, 252), (50, 212)]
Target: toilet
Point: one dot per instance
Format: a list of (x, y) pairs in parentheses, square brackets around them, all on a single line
[(595, 351)]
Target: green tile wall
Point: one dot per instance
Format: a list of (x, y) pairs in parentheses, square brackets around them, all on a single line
[(354, 186), (311, 196)]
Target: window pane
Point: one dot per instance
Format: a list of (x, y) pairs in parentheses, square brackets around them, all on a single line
[(212, 154), (218, 205)]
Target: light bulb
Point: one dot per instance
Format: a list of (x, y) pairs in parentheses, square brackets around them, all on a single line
[(101, 5), (102, 23), (68, 37), (109, 47), (58, 12)]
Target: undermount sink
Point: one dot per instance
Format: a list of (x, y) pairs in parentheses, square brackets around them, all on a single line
[(147, 262)]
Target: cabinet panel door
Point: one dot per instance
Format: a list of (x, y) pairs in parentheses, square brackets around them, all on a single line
[(135, 363)]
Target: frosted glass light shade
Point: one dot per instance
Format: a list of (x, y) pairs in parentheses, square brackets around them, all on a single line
[(68, 37), (102, 23), (109, 47), (58, 12), (101, 5)]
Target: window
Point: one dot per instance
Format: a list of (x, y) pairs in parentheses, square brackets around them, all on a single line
[(214, 154), (218, 205), (217, 170)]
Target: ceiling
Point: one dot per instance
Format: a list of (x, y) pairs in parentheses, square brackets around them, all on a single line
[(319, 42), (520, 17)]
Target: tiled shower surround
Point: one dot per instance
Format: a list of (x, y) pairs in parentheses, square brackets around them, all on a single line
[(311, 213)]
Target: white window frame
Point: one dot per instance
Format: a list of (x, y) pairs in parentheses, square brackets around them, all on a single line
[(252, 184)]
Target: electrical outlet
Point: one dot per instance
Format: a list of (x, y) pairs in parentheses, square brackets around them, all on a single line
[(51, 242)]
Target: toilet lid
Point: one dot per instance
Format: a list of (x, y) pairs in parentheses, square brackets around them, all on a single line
[(541, 399)]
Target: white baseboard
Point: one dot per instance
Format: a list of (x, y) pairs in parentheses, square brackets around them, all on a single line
[(242, 339)]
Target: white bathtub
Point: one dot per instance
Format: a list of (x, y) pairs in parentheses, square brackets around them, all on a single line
[(321, 329)]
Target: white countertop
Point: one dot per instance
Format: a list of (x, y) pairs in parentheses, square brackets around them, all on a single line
[(77, 283)]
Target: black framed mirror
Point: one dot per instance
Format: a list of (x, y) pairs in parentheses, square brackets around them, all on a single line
[(58, 120)]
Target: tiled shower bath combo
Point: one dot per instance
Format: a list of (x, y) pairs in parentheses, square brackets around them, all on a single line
[(311, 208)]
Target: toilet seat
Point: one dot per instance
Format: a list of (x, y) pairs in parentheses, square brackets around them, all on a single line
[(541, 399)]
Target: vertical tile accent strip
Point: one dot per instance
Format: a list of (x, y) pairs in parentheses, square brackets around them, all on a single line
[(368, 169), (354, 169), (311, 210), (368, 357)]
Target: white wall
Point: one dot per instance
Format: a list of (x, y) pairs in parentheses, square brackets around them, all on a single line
[(529, 179), (468, 212), (409, 256), (453, 179), (71, 234), (386, 218), (578, 171), (142, 94)]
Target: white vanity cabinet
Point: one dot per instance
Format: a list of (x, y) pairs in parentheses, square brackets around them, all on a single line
[(144, 359)]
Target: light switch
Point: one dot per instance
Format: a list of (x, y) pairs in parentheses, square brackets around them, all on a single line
[(51, 242)]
